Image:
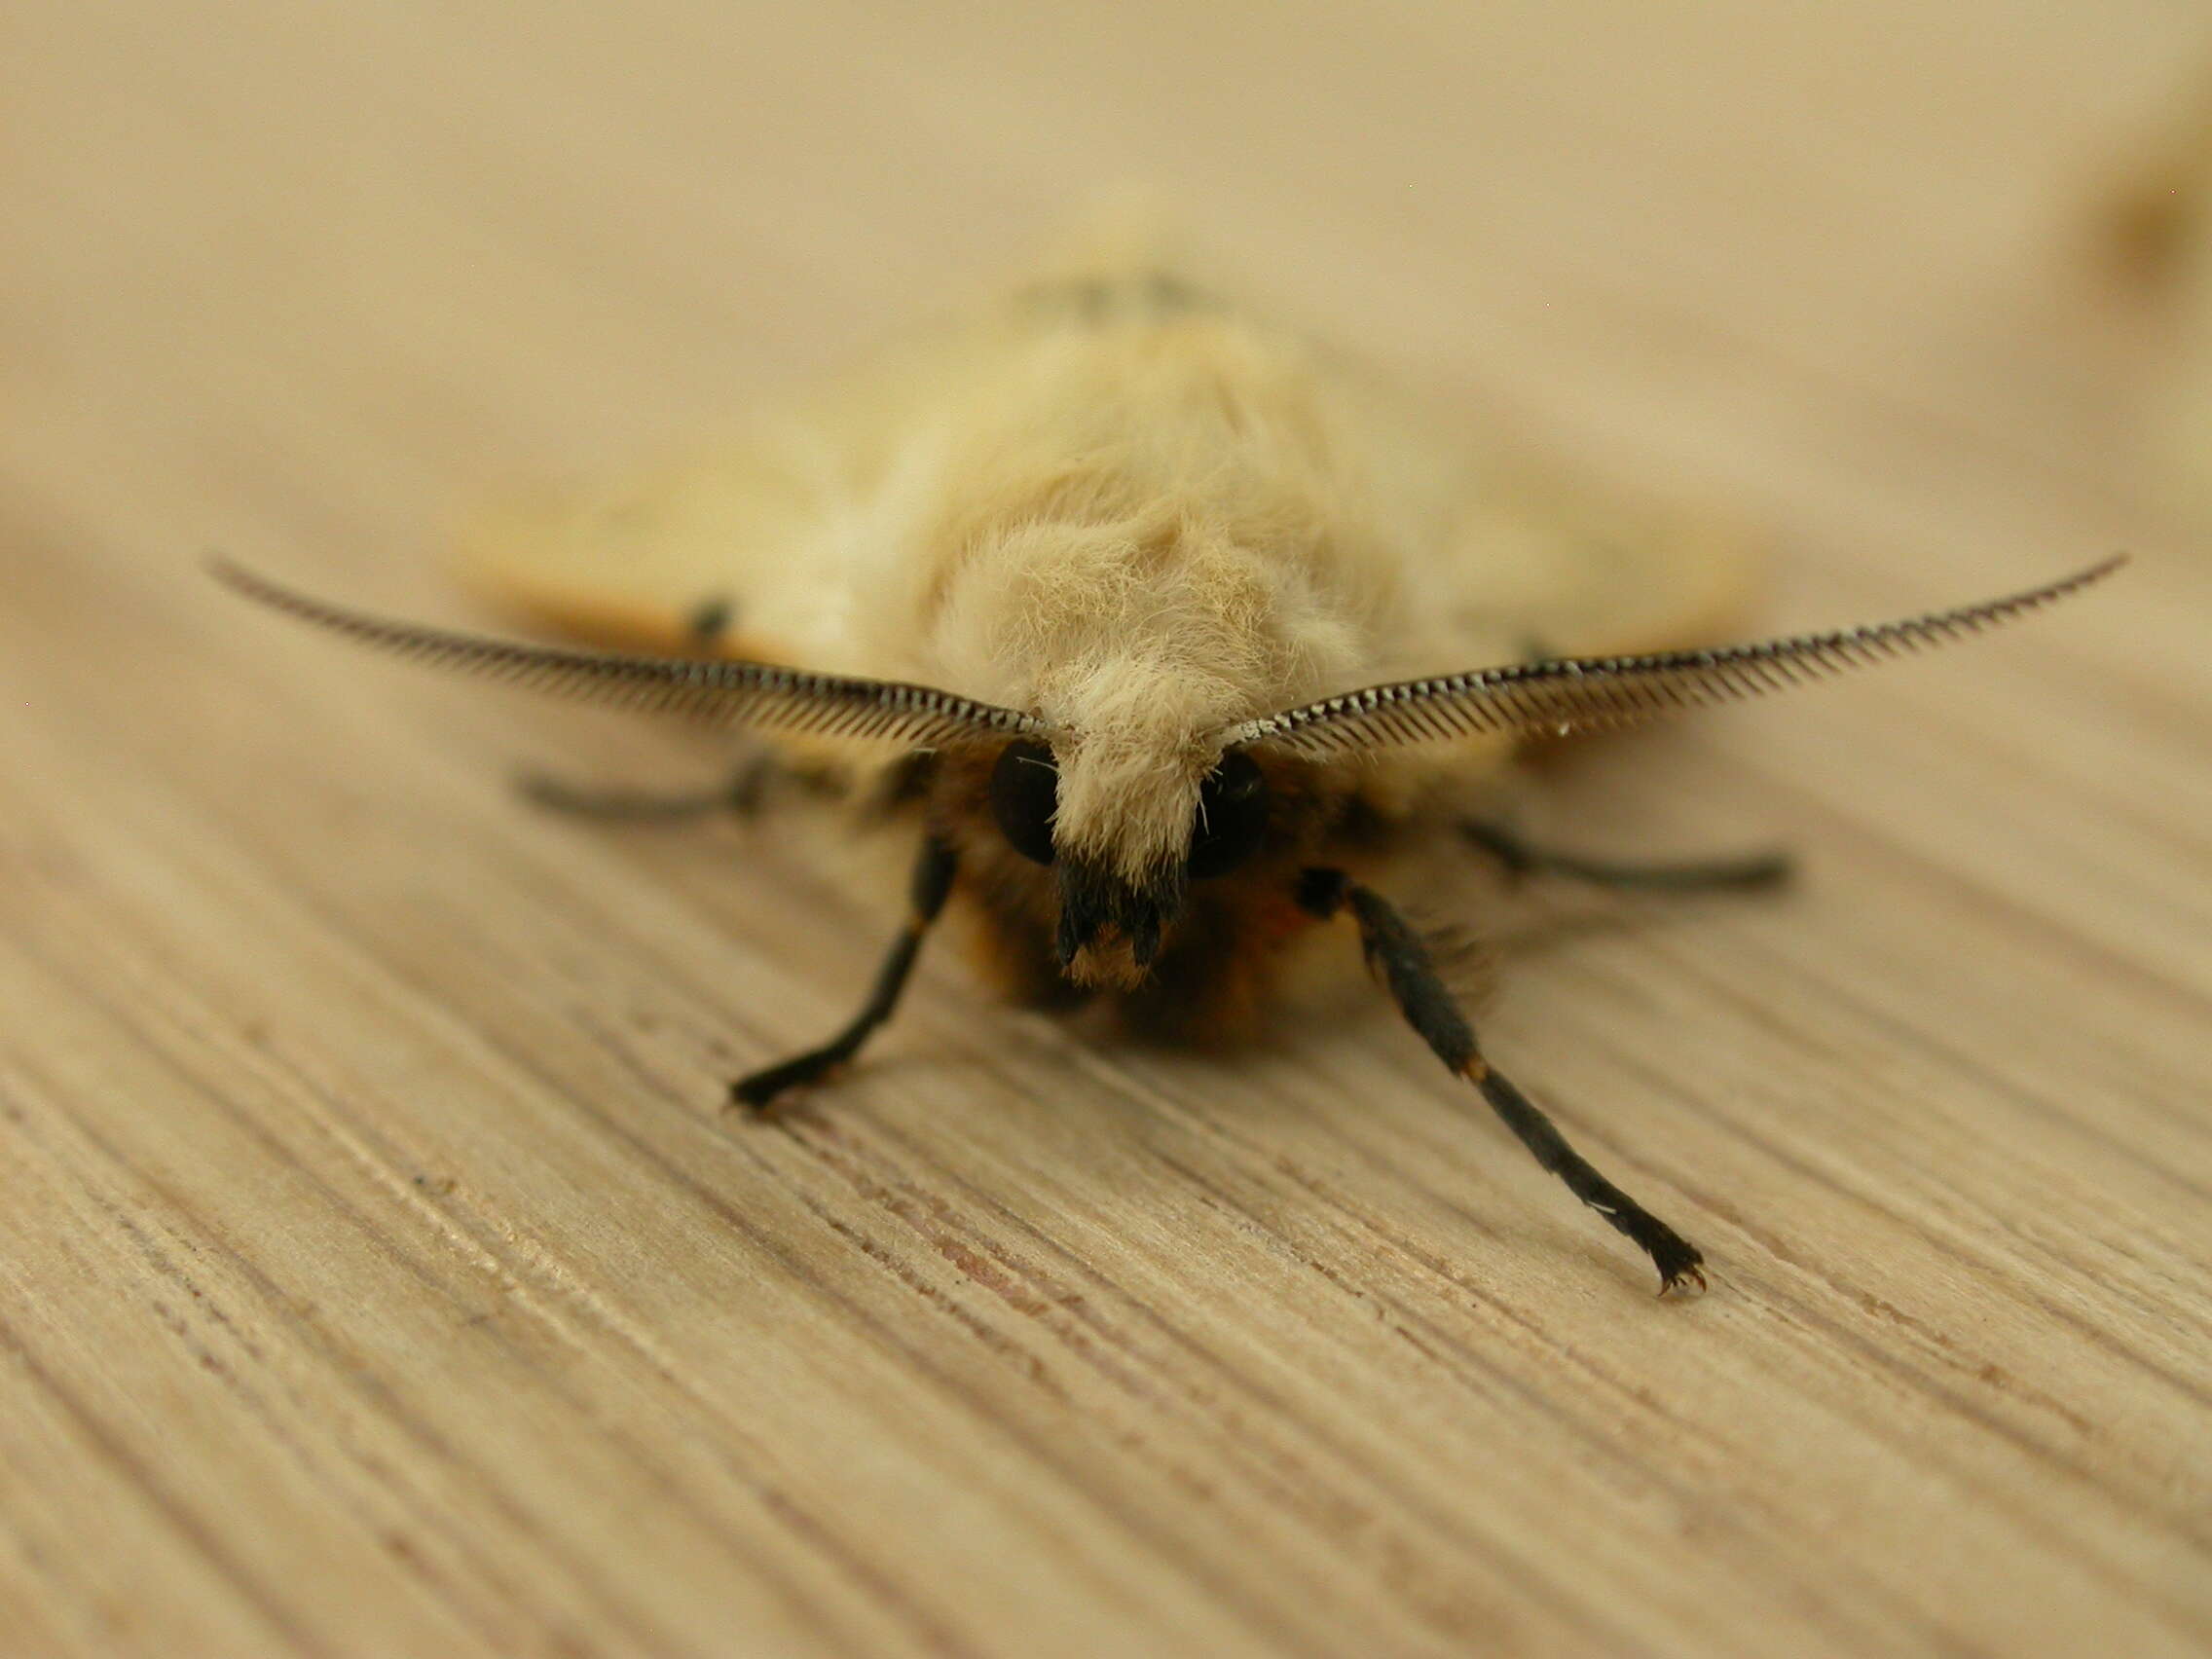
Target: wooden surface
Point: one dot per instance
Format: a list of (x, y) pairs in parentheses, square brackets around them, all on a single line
[(375, 1276)]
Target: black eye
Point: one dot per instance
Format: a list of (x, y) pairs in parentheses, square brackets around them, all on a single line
[(1025, 793), (1233, 816)]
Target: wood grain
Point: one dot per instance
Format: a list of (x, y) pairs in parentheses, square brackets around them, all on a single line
[(375, 1276)]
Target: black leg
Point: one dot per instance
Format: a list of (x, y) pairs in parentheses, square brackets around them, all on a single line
[(1396, 952), (932, 881), (1754, 869), (739, 796)]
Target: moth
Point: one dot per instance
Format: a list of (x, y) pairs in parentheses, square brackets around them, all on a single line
[(1167, 632)]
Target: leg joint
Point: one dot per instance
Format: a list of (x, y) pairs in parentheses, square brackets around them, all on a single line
[(1322, 892)]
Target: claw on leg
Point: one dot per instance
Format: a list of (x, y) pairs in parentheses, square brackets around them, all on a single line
[(758, 1092)]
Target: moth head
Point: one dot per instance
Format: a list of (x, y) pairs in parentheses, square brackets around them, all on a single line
[(1123, 859)]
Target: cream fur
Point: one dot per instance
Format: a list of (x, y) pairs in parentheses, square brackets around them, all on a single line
[(1143, 518), (1147, 541)]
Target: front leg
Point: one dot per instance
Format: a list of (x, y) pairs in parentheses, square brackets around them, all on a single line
[(931, 884), (1395, 951)]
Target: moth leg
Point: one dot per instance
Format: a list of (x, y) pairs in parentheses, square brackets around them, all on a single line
[(741, 795), (931, 883), (1695, 875), (710, 619), (1395, 951)]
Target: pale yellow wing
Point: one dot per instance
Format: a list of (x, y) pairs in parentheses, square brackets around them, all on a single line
[(696, 557), (763, 545), (1548, 564)]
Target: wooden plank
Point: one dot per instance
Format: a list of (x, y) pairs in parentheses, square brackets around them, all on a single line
[(377, 1274)]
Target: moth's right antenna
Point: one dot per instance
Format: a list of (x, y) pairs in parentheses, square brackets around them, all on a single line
[(721, 692)]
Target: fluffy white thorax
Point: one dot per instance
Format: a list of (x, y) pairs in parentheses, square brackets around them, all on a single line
[(1152, 537)]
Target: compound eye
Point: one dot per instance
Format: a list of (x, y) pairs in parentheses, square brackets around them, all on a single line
[(1233, 816), (1025, 793)]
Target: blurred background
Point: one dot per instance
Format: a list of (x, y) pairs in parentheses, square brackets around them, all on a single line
[(374, 1275), (464, 243)]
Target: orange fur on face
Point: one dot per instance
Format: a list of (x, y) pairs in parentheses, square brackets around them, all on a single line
[(1226, 945)]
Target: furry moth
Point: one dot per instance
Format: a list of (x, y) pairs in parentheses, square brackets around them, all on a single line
[(1165, 630)]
